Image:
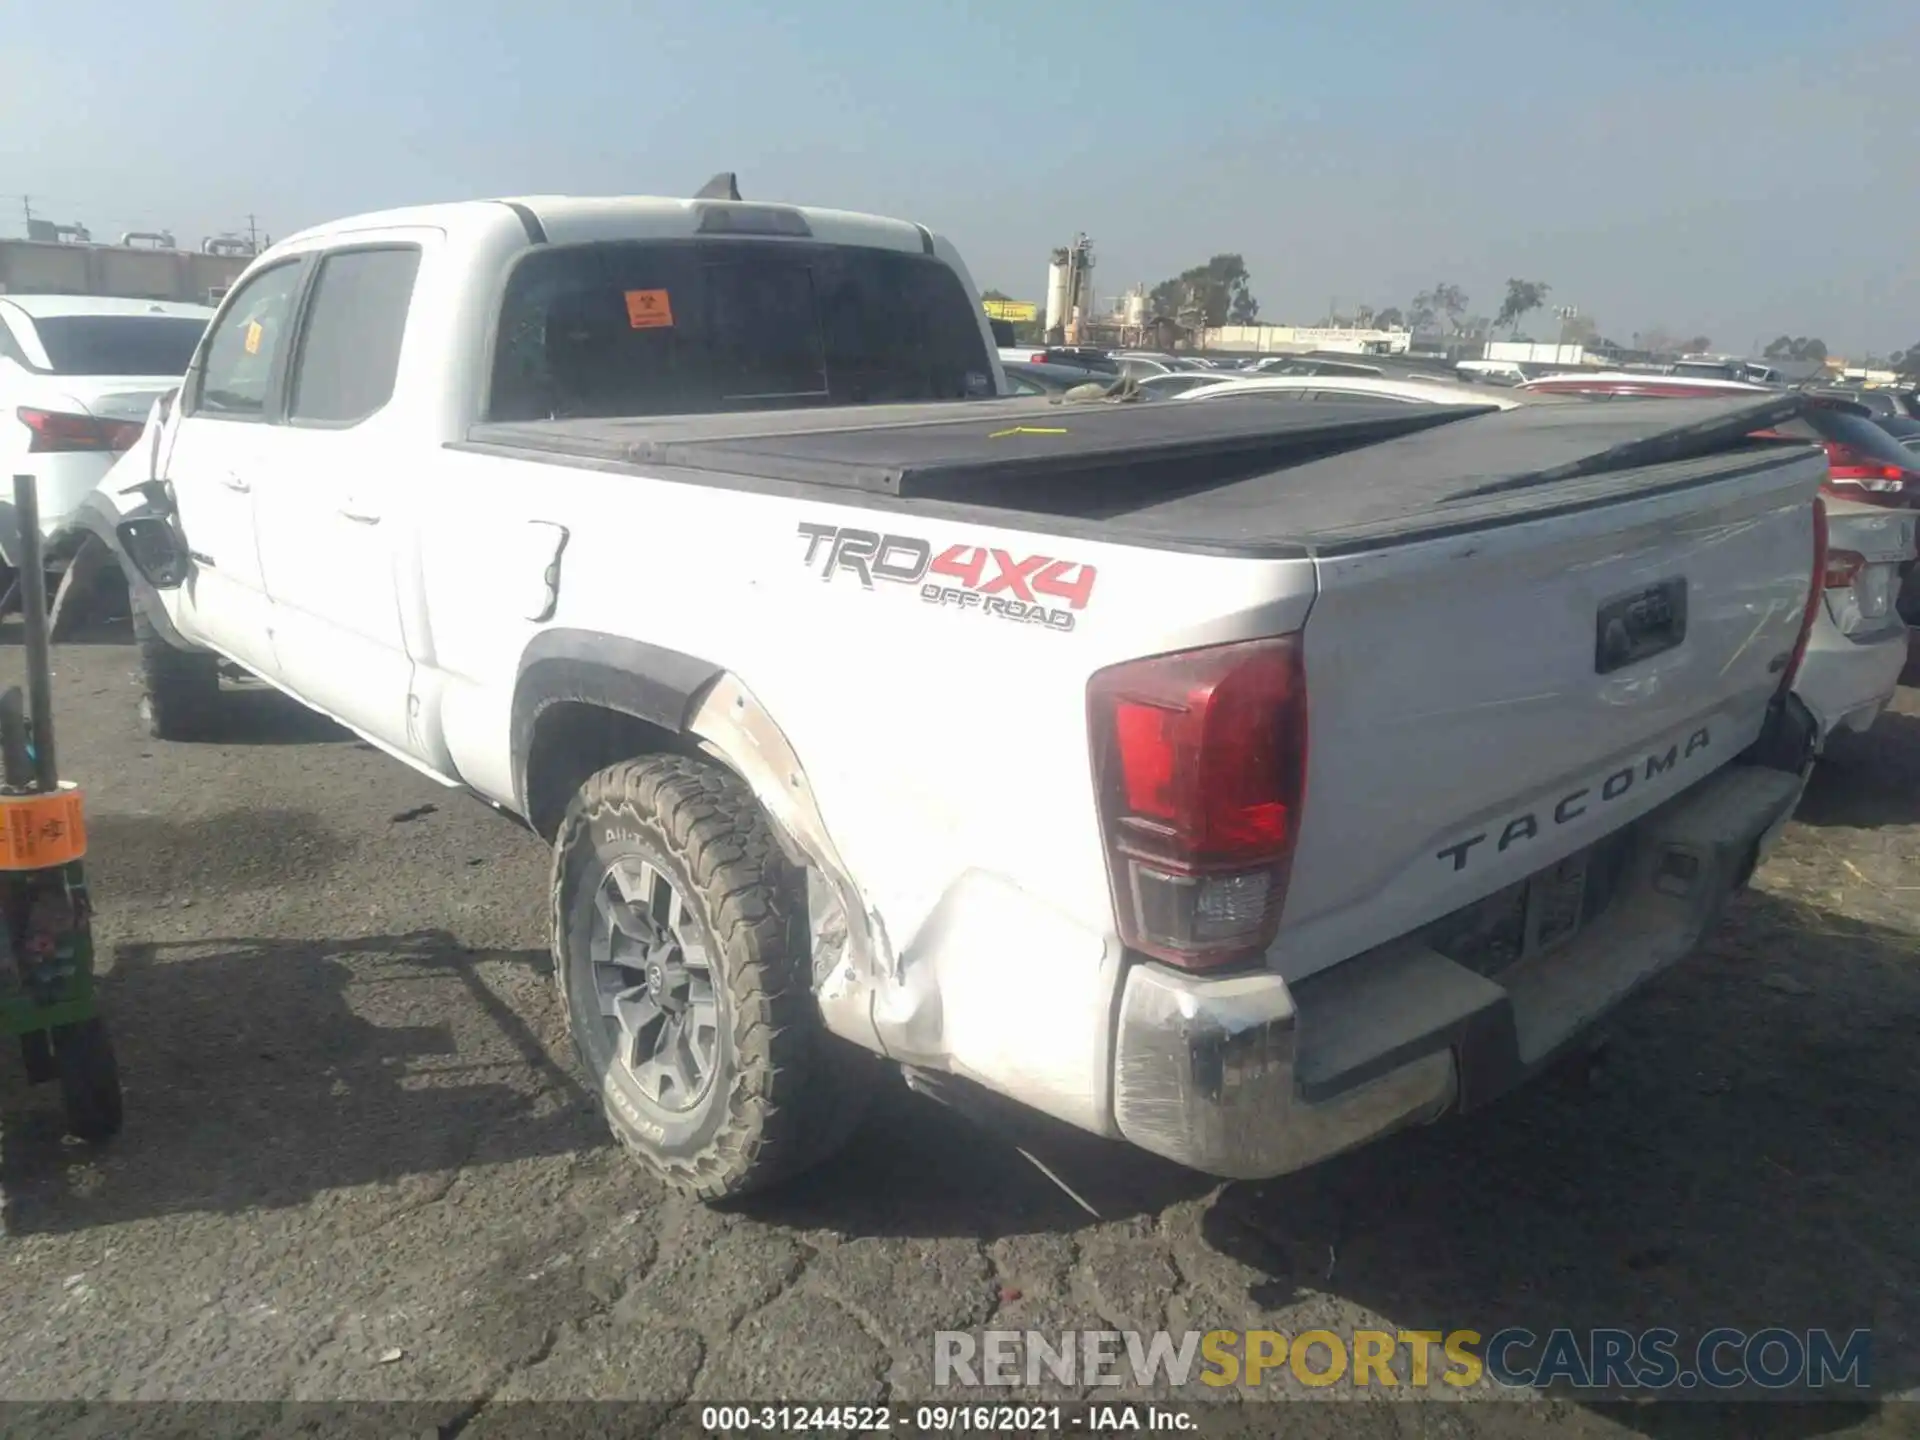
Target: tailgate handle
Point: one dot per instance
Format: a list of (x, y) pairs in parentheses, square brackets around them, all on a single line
[(1634, 627)]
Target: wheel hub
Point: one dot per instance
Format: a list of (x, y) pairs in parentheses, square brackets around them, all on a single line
[(655, 986)]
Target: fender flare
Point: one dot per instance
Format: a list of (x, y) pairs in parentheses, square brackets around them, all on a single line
[(710, 707), (648, 682)]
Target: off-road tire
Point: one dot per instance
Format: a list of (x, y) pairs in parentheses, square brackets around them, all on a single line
[(179, 689), (787, 1093)]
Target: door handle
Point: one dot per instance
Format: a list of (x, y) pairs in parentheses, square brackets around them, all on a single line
[(234, 482), (354, 513)]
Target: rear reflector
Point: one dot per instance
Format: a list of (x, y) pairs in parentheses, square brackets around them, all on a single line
[(1814, 594), (56, 433), (1200, 764)]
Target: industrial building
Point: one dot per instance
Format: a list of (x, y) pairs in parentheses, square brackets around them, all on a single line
[(141, 265)]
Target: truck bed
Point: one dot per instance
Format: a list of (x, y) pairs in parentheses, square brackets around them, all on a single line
[(1252, 476)]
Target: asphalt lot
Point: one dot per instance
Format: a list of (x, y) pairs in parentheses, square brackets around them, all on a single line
[(358, 1164)]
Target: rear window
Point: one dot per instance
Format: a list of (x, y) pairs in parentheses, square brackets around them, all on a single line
[(703, 326), (119, 344)]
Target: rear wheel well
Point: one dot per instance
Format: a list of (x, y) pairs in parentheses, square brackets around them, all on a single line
[(572, 741)]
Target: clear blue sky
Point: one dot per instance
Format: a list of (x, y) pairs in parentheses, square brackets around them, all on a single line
[(1740, 169)]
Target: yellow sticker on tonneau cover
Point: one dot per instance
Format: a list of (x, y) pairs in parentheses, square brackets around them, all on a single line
[(648, 309)]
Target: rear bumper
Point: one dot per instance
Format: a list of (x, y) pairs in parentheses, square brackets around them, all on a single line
[(1848, 680), (1248, 1077)]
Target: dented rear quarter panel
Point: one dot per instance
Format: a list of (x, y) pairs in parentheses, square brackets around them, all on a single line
[(946, 746)]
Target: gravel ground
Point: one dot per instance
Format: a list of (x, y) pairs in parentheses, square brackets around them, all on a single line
[(358, 1163)]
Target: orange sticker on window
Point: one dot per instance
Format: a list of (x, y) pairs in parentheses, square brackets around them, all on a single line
[(648, 309), (254, 331)]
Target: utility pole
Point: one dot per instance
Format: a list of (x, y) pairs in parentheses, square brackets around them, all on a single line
[(253, 236), (26, 206)]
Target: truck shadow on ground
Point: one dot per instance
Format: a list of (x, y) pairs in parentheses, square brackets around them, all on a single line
[(1749, 1159), (1747, 1156), (253, 1081), (255, 714), (1867, 781)]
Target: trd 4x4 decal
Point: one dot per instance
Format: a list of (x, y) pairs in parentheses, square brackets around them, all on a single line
[(976, 578)]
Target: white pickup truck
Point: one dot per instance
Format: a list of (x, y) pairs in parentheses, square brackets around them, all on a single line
[(1244, 781)]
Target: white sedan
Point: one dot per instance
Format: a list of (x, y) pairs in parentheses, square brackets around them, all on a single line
[(78, 375), (1358, 387)]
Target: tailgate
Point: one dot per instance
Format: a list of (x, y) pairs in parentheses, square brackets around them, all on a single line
[(1487, 704)]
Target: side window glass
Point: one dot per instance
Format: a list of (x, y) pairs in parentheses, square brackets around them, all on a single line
[(350, 340), (238, 370)]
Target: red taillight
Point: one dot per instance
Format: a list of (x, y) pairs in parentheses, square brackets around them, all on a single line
[(1200, 761), (58, 433), (1039, 359), (1814, 596), (1843, 568)]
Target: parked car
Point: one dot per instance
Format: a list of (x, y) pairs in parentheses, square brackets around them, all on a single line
[(1186, 874), (1858, 647), (1141, 364), (1715, 367), (1880, 403), (1492, 372), (1179, 382), (1314, 365), (1080, 357), (1026, 379), (78, 374), (1354, 388)]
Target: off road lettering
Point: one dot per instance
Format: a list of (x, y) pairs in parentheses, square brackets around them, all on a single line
[(981, 578), (1576, 803)]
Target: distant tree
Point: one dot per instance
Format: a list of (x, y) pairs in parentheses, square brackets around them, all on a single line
[(1523, 298), (1907, 361), (1696, 345), (1212, 294), (1796, 347), (1390, 319), (1443, 301), (995, 295)]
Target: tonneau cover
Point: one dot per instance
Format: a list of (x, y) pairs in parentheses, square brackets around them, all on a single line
[(942, 449), (1253, 474), (1504, 465)]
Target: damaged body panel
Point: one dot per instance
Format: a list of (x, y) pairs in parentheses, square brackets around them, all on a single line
[(1152, 766)]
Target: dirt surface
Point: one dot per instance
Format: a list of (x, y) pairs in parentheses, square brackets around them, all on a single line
[(358, 1163)]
